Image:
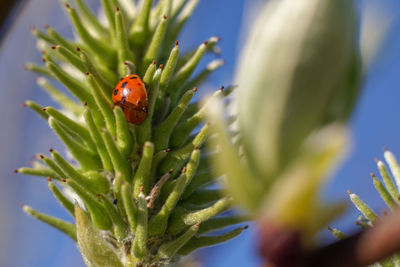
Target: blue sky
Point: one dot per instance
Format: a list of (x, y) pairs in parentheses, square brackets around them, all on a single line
[(26, 242)]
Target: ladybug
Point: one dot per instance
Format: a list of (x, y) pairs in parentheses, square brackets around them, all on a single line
[(130, 94)]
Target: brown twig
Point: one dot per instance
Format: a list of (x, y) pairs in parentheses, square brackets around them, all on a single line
[(282, 247)]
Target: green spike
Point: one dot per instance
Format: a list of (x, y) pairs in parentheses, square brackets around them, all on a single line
[(86, 159), (70, 57), (91, 20), (38, 69), (337, 233), (105, 87), (180, 218), (96, 183), (52, 165), (119, 162), (140, 29), (96, 136), (144, 131), (393, 165), (120, 229), (125, 141), (362, 207), (148, 76), (63, 200), (65, 227), (98, 212), (103, 104), (182, 131), (169, 69), (62, 99), (159, 222), (37, 172), (158, 157), (154, 48), (218, 223), (163, 132), (40, 35), (72, 125), (139, 246), (124, 51), (109, 12), (177, 6), (130, 68), (104, 52), (94, 248), (76, 87), (37, 108), (205, 241), (59, 40), (168, 250), (175, 159), (142, 175), (203, 75), (383, 192), (129, 206), (387, 179)]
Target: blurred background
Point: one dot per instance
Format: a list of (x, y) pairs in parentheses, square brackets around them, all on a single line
[(27, 242)]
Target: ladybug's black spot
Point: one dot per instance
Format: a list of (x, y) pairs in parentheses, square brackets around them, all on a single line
[(133, 77), (115, 91), (115, 201), (123, 99), (123, 85)]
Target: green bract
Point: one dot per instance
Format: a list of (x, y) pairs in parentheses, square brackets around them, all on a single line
[(140, 190)]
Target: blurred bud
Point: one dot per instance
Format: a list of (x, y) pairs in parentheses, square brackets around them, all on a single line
[(298, 72)]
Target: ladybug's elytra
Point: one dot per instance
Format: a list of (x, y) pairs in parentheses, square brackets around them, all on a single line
[(130, 94)]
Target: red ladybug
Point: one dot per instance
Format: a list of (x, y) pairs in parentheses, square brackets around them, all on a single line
[(130, 94)]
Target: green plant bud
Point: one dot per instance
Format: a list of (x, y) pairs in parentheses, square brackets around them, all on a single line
[(124, 52), (282, 74), (95, 249), (393, 165), (181, 219), (148, 76), (61, 40), (169, 249), (205, 241), (91, 20), (387, 179), (139, 248), (101, 77), (129, 205), (38, 69), (63, 200), (119, 226), (37, 108), (141, 180), (121, 165), (72, 125), (163, 132), (62, 99), (86, 158), (385, 195), (103, 104), (362, 207), (125, 141), (98, 212), (65, 227), (140, 29), (52, 165), (337, 233), (37, 172), (98, 140), (154, 48), (169, 69)]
